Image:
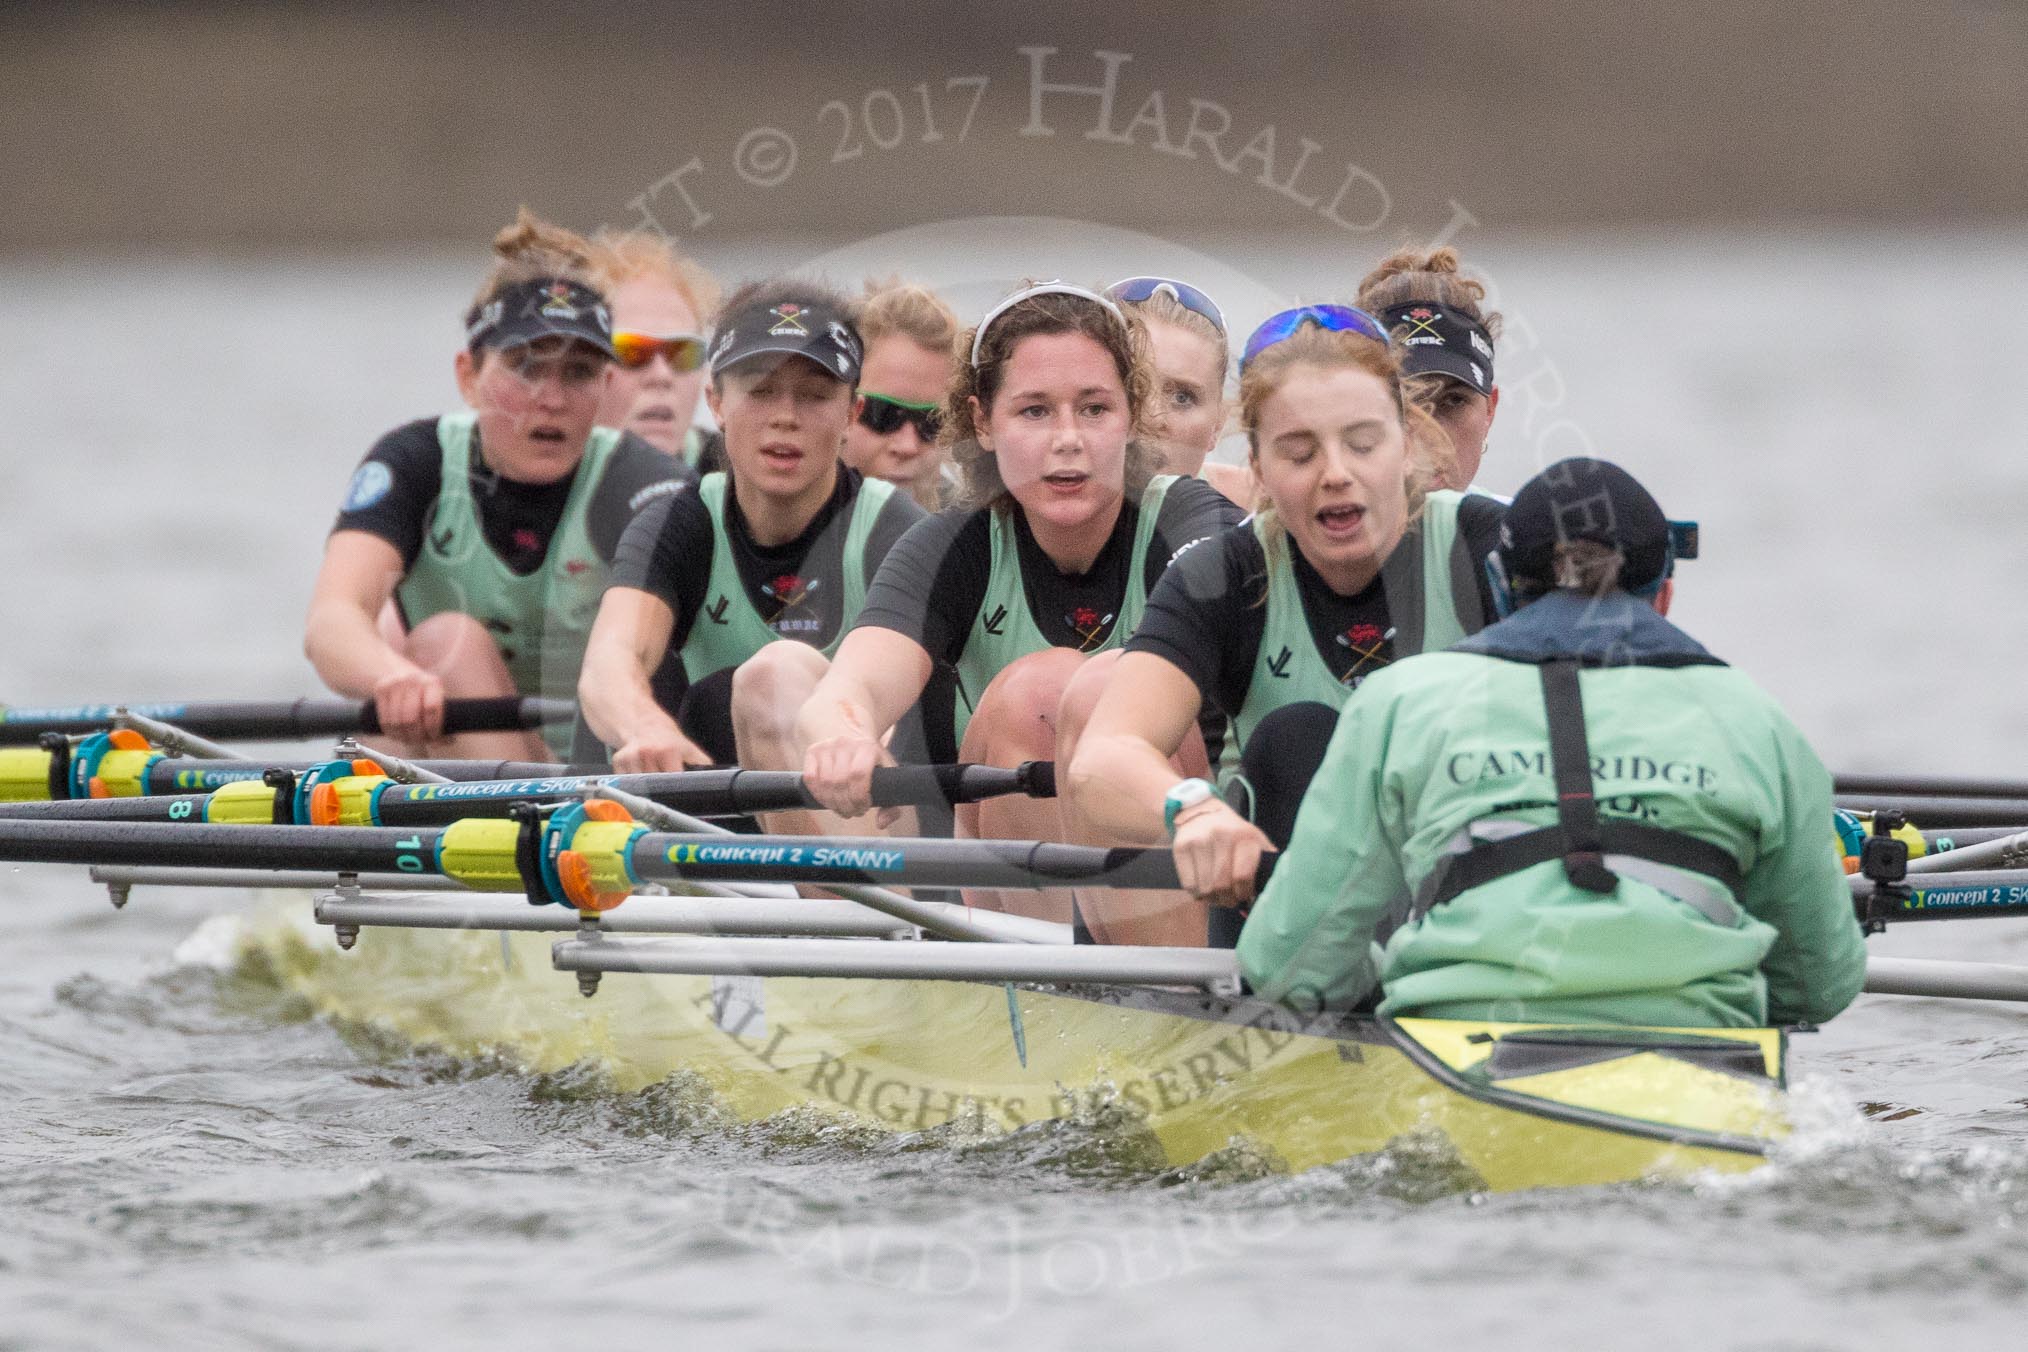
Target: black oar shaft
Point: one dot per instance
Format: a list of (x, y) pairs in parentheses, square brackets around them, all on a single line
[(1942, 842), (338, 849), (707, 793), (279, 719), (1936, 814), (176, 807), (898, 863), (653, 856), (1929, 786), (186, 775)]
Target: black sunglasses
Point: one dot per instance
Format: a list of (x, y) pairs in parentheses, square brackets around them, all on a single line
[(885, 415)]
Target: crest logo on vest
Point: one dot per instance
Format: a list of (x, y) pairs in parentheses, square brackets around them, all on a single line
[(715, 612), (996, 623), (1089, 625), (1367, 643), (789, 591)]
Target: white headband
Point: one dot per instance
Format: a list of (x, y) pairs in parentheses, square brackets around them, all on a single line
[(1039, 289)]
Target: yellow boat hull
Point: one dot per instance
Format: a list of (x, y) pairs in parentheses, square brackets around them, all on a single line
[(1521, 1106)]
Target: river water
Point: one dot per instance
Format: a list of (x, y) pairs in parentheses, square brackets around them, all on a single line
[(187, 1158)]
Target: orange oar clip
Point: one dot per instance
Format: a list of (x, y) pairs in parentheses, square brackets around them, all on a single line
[(119, 739), (574, 871)]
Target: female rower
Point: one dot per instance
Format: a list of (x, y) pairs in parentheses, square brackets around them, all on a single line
[(1597, 820), (778, 546), (1439, 319), (1352, 564), (1062, 531), (1186, 331), (490, 530), (909, 333), (661, 304)]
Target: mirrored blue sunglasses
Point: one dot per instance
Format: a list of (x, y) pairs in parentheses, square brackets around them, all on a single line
[(1140, 290), (1330, 318)]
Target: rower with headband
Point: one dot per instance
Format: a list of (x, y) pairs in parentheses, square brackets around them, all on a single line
[(1187, 333), (1352, 563), (471, 549), (1591, 819), (1062, 527)]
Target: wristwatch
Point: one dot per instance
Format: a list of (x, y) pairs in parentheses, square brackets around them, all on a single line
[(1184, 794)]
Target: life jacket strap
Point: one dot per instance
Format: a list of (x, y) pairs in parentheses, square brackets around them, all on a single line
[(1491, 860), (1570, 760), (1579, 838)]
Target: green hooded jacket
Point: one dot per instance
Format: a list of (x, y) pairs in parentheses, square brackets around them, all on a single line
[(1435, 748)]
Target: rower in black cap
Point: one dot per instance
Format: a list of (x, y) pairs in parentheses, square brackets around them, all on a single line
[(471, 549), (1445, 332), (1575, 815), (778, 546)]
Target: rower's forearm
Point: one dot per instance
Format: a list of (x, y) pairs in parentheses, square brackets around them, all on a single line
[(615, 698), (1117, 785), (346, 649), (836, 709)]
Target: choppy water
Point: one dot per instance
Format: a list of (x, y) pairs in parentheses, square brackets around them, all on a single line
[(188, 1159)]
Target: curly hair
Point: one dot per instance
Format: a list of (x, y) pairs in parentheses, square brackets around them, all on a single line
[(1432, 276), (533, 249), (1125, 340)]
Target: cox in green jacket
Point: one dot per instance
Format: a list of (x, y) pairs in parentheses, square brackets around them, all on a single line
[(1448, 750)]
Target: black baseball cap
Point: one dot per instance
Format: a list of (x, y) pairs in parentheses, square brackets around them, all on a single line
[(545, 307), (1436, 340), (1581, 499), (789, 328)]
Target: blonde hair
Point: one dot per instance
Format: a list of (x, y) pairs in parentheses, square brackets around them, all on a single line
[(1165, 308), (1429, 446), (1431, 276), (620, 256), (533, 249), (912, 311), (979, 481)]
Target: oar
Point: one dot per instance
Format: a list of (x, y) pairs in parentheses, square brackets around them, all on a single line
[(189, 775), (482, 853), (1937, 814), (277, 720), (489, 855), (1970, 894), (336, 796), (1946, 980), (1928, 786)]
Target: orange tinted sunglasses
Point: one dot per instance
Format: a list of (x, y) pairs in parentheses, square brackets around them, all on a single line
[(685, 351)]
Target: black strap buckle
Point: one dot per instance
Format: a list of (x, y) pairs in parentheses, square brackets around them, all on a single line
[(283, 782), (1587, 869), (58, 747), (1883, 859), (528, 853)]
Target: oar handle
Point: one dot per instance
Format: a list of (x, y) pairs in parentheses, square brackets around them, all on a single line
[(497, 714), (906, 785)]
